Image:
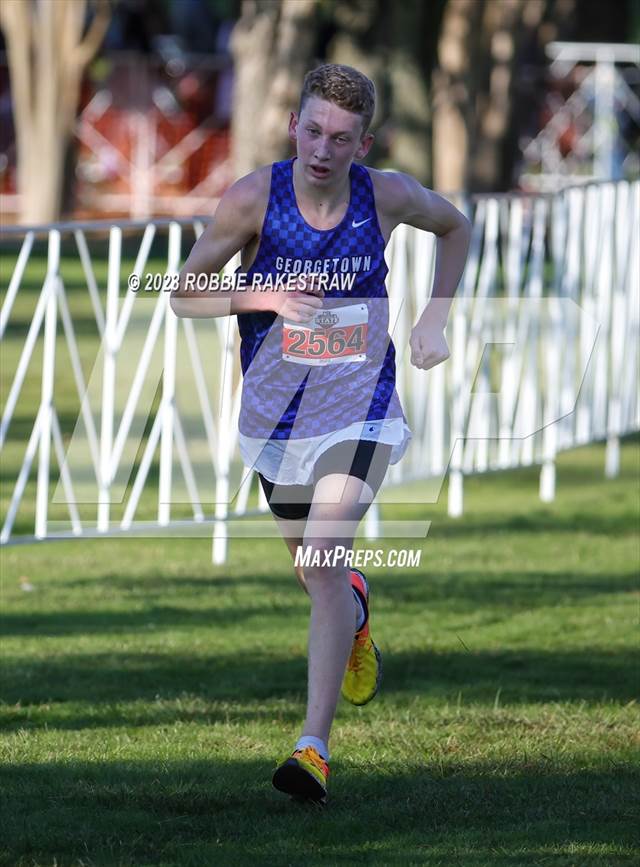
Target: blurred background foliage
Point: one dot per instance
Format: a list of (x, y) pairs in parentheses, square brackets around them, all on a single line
[(464, 87)]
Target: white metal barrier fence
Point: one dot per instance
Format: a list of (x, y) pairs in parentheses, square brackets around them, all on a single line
[(544, 357)]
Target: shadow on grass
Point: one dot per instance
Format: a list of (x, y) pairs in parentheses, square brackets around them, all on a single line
[(521, 590), (37, 694), (226, 812), (150, 619), (461, 591)]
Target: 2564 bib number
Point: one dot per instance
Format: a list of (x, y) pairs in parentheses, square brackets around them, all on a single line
[(334, 335)]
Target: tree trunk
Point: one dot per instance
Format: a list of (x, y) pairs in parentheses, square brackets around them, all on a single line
[(500, 36), (361, 41), (451, 95), (251, 44), (480, 53), (409, 70), (47, 56), (272, 44)]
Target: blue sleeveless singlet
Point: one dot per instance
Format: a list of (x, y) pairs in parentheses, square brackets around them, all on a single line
[(282, 400)]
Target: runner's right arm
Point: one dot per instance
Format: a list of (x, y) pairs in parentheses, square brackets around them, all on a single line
[(237, 221)]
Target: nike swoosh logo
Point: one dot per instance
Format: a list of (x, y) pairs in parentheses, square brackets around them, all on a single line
[(355, 225)]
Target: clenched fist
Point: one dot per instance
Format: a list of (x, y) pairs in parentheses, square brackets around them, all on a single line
[(428, 343)]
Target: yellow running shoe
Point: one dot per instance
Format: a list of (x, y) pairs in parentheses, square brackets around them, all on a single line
[(303, 776), (364, 669)]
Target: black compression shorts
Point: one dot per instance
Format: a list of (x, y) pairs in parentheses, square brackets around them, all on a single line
[(368, 462)]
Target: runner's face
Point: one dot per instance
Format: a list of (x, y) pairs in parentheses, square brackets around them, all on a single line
[(327, 140)]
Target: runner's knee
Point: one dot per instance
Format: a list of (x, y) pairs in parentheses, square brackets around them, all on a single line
[(325, 560)]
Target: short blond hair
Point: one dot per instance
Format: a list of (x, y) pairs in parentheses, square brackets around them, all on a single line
[(345, 86)]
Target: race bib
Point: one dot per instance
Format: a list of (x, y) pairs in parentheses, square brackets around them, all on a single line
[(334, 335)]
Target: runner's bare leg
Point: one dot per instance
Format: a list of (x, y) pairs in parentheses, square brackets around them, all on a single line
[(333, 620), (293, 542)]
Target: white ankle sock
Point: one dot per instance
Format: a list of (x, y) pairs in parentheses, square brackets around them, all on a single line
[(362, 615), (317, 743)]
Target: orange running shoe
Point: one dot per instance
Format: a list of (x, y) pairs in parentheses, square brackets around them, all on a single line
[(364, 668), (303, 776)]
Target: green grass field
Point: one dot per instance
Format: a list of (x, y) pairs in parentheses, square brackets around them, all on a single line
[(148, 695)]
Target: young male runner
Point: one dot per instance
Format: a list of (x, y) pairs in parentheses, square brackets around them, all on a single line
[(320, 417)]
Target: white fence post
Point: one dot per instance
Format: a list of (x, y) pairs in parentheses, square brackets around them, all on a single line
[(46, 397), (168, 385), (109, 347)]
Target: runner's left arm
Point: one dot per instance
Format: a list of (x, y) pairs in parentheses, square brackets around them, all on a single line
[(413, 204)]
